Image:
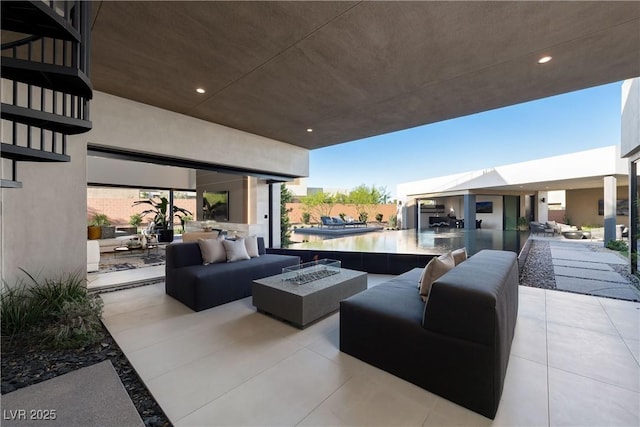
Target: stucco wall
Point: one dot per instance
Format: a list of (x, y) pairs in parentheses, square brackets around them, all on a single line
[(134, 126), (44, 226), (582, 206), (100, 170), (630, 132)]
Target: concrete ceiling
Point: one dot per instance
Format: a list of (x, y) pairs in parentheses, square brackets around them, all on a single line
[(351, 70)]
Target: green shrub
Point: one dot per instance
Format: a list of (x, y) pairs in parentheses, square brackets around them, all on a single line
[(379, 217), (77, 324), (306, 217), (56, 312), (17, 311), (618, 245), (51, 294), (393, 221), (99, 220), (135, 220)]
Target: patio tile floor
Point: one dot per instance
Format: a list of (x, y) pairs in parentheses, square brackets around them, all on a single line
[(574, 361)]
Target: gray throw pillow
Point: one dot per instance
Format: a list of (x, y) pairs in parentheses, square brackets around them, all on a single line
[(236, 250), (212, 251)]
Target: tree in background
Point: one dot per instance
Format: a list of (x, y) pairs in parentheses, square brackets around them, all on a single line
[(285, 227), (366, 199), (318, 204)]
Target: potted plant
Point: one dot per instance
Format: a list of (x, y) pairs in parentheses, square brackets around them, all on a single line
[(163, 221), (100, 227), (523, 224), (93, 230)]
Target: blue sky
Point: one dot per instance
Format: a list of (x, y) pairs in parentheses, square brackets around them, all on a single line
[(551, 126)]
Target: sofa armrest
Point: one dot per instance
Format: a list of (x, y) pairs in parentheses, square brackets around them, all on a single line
[(476, 301), (182, 254)]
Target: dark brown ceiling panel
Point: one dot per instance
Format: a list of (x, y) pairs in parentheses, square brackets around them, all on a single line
[(351, 70)]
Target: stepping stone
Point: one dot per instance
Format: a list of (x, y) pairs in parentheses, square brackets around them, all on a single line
[(570, 247), (608, 276), (597, 287), (588, 256), (582, 264)]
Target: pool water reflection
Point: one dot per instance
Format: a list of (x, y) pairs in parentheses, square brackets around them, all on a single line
[(432, 242)]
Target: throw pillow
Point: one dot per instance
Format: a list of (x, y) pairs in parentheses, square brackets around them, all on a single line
[(212, 251), (251, 243), (436, 268), (459, 255), (236, 250)]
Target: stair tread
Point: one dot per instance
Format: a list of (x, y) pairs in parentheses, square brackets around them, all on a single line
[(56, 77), (26, 154), (6, 183), (45, 120), (35, 17)]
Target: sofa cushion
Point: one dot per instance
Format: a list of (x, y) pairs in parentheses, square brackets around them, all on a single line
[(468, 301), (251, 243), (434, 270), (459, 255), (213, 251), (236, 250)]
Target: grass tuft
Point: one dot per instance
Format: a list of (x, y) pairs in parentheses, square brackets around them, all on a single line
[(56, 312)]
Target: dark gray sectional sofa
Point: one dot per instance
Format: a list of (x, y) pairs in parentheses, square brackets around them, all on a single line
[(204, 286), (456, 345)]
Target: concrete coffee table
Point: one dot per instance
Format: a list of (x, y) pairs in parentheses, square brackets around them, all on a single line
[(303, 304)]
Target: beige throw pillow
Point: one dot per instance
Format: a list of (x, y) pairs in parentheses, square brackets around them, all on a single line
[(459, 255), (433, 271), (251, 244), (212, 251), (236, 250)]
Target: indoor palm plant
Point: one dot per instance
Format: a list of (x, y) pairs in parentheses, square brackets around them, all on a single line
[(162, 220)]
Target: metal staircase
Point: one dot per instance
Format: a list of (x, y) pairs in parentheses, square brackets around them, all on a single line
[(45, 81)]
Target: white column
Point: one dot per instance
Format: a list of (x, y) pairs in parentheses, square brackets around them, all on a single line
[(610, 197)]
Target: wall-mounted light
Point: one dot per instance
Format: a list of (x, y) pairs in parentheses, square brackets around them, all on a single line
[(542, 200)]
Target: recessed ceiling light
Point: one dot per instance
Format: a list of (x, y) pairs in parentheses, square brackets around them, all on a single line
[(544, 59), (309, 130), (200, 90)]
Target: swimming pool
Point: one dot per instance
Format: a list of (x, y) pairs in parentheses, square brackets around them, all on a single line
[(431, 242)]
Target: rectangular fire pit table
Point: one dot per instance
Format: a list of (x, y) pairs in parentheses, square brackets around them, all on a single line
[(303, 304)]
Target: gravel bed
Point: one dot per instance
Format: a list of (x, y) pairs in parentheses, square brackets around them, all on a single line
[(24, 364), (538, 268)]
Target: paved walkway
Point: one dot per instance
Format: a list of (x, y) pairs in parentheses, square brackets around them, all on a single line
[(91, 396), (587, 267)]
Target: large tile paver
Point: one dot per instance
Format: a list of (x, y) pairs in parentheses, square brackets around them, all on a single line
[(587, 256), (593, 274), (582, 264), (597, 287)]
